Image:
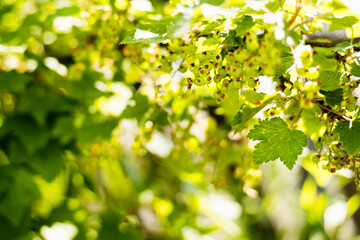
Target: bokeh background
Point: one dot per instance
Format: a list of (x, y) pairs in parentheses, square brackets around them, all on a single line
[(96, 143)]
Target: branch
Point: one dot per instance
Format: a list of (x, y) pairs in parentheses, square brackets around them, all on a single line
[(297, 118), (297, 10), (320, 44), (281, 5), (330, 110)]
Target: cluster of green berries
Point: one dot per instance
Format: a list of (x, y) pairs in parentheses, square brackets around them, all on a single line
[(334, 157), (349, 100), (236, 67)]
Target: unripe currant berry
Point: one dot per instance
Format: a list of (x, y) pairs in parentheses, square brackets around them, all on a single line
[(183, 68), (332, 168), (316, 158), (306, 58), (317, 145), (226, 84), (350, 107), (355, 84), (312, 73), (222, 72), (268, 70), (193, 67), (252, 43), (272, 112), (287, 91), (218, 58), (208, 80), (312, 86), (251, 82), (218, 94), (237, 83), (241, 55), (217, 78), (198, 81), (204, 56), (236, 71), (208, 65)]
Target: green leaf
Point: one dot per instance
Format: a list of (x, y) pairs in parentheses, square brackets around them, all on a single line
[(68, 11), (237, 119), (253, 98), (329, 80), (16, 201), (39, 104), (342, 47), (13, 81), (153, 32), (3, 158), (177, 25), (349, 135), (333, 98), (294, 36), (28, 131), (211, 27), (233, 39), (247, 112), (94, 128), (159, 31), (47, 162), (342, 23), (273, 5), (277, 140), (84, 89), (64, 129), (310, 120), (326, 64), (245, 23), (137, 108), (212, 2), (355, 69), (286, 58)]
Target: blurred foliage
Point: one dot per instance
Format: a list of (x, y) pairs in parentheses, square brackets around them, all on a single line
[(96, 146)]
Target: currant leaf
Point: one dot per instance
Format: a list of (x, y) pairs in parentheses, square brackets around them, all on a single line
[(244, 24), (355, 70), (334, 97), (349, 135), (342, 23), (277, 140), (248, 111), (329, 80)]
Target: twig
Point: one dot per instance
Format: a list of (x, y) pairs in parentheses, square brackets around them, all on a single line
[(330, 110), (281, 5), (297, 118), (224, 25), (302, 23), (297, 10), (320, 44)]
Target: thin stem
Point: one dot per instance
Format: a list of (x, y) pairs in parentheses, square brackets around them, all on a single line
[(302, 23), (175, 71), (296, 13), (310, 20), (330, 110), (224, 25), (297, 118), (281, 5)]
